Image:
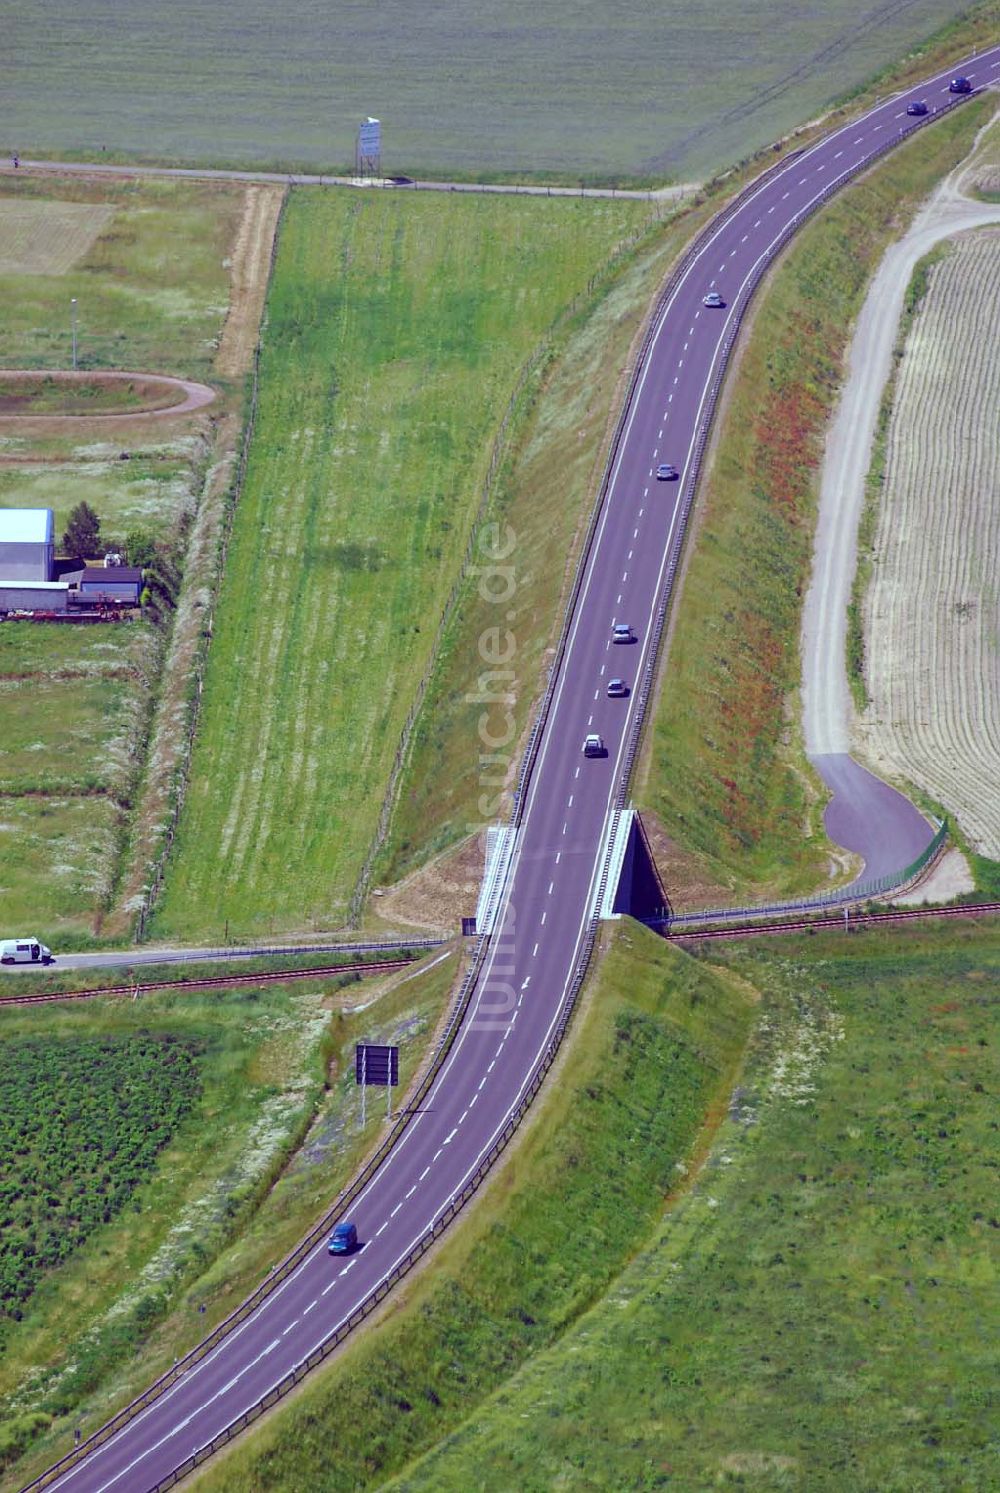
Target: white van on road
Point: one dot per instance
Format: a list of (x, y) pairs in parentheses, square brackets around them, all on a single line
[(24, 951)]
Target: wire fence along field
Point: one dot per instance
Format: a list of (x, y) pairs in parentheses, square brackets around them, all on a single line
[(933, 612)]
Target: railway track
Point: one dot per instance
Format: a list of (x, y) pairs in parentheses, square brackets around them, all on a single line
[(213, 982), (852, 920)]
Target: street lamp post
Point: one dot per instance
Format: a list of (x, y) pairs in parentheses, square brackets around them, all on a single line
[(72, 313)]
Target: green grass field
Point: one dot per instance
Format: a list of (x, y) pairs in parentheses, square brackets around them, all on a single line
[(818, 1312), (151, 289), (381, 389), (273, 1136), (70, 755), (541, 498), (151, 279), (569, 89), (655, 1051), (723, 766)]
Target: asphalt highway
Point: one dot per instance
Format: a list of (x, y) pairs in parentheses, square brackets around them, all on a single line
[(560, 847)]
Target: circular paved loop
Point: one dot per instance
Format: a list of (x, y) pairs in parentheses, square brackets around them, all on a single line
[(196, 396)]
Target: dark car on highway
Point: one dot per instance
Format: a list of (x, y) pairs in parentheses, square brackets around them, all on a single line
[(343, 1240), (916, 106), (959, 85)]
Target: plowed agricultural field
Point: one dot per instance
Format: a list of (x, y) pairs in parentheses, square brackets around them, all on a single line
[(933, 609), (396, 330)]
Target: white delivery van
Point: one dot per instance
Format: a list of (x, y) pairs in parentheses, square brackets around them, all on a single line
[(24, 951)]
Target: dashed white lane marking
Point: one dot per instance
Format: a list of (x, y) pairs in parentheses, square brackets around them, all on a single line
[(635, 533), (534, 951), (744, 238), (821, 166), (543, 919), (840, 152), (482, 1081), (676, 381), (294, 1324), (461, 1118), (772, 209), (327, 1289), (399, 1205), (624, 577), (559, 852), (757, 224), (449, 1138), (660, 436), (476, 1096), (577, 773), (602, 666), (858, 140), (642, 510), (382, 1229), (617, 603), (309, 1307), (348, 1267), (691, 329), (492, 1066), (426, 1169), (590, 718), (684, 350), (732, 253), (564, 831), (437, 1153), (645, 493), (803, 180), (680, 362), (630, 553), (411, 1192), (784, 195), (551, 885)]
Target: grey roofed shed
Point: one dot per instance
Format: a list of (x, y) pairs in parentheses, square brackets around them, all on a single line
[(27, 544), (110, 583)]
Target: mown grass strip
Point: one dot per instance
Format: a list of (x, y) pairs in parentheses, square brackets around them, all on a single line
[(396, 328), (654, 1051)]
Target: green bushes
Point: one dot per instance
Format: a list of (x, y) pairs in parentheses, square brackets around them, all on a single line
[(80, 1126)]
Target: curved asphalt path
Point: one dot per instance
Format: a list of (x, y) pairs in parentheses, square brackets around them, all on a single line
[(195, 395), (556, 865)]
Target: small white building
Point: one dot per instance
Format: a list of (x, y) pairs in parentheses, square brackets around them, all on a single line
[(27, 544)]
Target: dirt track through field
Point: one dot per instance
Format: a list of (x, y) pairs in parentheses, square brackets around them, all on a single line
[(933, 609), (251, 260)]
